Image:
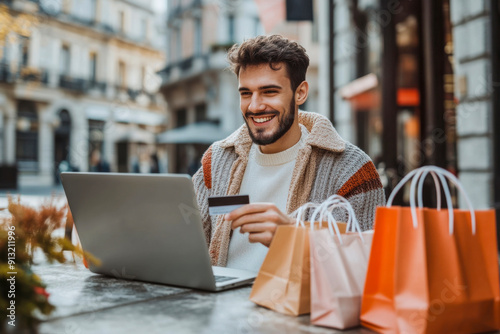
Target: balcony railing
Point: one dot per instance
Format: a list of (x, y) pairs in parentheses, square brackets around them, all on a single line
[(134, 94), (187, 67), (24, 74), (81, 85), (73, 84), (100, 86), (76, 85), (29, 74)]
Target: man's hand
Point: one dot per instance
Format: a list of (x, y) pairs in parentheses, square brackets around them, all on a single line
[(259, 219)]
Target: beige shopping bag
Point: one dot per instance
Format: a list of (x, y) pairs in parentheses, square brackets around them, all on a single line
[(338, 269)]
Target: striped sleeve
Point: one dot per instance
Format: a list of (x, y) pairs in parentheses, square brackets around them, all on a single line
[(202, 186), (365, 192), (364, 180)]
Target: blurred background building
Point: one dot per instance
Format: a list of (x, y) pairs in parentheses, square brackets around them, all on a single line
[(78, 89)]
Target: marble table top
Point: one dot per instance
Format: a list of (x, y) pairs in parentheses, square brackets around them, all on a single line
[(90, 303)]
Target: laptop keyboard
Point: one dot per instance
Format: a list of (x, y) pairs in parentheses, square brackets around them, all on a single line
[(219, 279)]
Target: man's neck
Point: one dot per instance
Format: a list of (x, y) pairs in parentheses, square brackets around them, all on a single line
[(290, 138)]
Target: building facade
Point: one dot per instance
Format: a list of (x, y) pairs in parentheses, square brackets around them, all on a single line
[(79, 90)]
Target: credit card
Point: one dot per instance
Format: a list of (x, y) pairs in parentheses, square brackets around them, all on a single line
[(220, 205)]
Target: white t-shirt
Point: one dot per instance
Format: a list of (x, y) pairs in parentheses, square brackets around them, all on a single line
[(267, 178)]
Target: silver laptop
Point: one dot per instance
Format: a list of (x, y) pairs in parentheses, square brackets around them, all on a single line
[(145, 227)]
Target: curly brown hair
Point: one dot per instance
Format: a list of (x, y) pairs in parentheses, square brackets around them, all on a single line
[(272, 50)]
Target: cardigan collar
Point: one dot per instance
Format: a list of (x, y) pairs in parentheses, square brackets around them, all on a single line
[(322, 134)]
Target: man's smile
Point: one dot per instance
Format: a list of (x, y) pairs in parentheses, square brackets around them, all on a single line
[(262, 120)]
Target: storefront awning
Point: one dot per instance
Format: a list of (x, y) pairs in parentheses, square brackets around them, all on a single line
[(196, 133), (363, 95)]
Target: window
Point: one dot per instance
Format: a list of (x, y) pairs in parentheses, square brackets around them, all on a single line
[(93, 68), (230, 28), (65, 60), (93, 10), (181, 117), (143, 78), (178, 40), (122, 75), (197, 36), (200, 112), (144, 29), (24, 51), (27, 136), (121, 21)]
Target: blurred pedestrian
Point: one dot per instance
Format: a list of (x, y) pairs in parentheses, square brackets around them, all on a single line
[(97, 164)]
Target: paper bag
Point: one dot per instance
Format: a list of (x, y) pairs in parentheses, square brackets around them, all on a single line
[(338, 269), (432, 270)]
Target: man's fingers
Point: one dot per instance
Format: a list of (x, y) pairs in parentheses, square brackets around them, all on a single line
[(262, 217), (262, 237), (248, 209), (257, 227), (250, 218)]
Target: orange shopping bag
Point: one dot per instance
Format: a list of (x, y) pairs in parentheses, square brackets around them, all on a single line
[(432, 270), (338, 268), (283, 281)]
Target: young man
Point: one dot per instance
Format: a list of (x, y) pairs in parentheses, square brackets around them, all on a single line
[(281, 157)]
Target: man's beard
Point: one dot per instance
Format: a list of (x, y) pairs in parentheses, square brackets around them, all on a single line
[(284, 125)]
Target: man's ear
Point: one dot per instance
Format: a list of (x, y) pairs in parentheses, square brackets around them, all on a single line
[(301, 93)]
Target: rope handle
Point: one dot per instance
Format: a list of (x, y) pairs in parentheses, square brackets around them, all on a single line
[(300, 212), (440, 174)]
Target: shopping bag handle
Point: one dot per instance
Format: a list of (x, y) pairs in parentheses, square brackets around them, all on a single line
[(418, 178), (406, 179), (453, 180), (333, 225), (441, 173), (322, 208), (330, 201), (300, 212), (421, 186), (327, 207)]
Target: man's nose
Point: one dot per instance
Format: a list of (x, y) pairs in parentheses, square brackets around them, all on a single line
[(256, 104)]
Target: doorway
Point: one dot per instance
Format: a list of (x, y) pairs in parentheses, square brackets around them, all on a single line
[(61, 145)]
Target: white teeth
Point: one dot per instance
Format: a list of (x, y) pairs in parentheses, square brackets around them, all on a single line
[(262, 119)]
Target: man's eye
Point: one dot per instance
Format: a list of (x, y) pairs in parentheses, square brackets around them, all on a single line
[(271, 91), (245, 93)]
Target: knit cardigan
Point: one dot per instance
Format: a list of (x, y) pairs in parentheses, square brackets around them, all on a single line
[(326, 165)]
